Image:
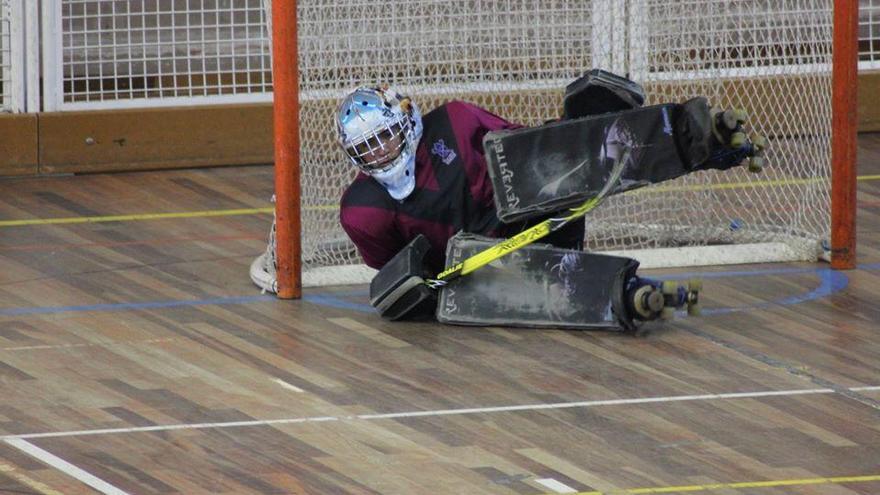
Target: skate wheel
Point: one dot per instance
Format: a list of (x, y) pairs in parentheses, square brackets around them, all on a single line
[(695, 309), (667, 313), (669, 288), (695, 284), (729, 120), (759, 141), (655, 301), (756, 164), (647, 302), (734, 118), (738, 140)]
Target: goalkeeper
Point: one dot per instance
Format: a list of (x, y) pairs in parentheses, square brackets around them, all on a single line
[(420, 175), (426, 174)]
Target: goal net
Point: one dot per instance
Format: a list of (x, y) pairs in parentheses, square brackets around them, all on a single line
[(514, 57)]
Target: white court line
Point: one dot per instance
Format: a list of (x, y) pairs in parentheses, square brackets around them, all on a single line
[(65, 467), (72, 346), (594, 403), (556, 486), (440, 412), (865, 389), (44, 347), (288, 386)]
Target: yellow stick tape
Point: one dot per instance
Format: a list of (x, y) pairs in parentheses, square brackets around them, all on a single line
[(491, 254)]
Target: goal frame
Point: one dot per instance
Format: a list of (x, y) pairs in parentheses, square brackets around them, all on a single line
[(844, 129), (285, 78), (286, 125)]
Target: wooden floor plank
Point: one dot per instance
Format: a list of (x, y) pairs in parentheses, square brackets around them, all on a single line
[(134, 325)]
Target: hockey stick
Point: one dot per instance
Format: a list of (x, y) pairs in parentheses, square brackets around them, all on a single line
[(531, 234)]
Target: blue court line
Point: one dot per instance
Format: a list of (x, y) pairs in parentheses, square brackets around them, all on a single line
[(831, 282), (335, 302), (744, 273)]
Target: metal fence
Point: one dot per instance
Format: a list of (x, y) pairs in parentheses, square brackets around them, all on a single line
[(111, 54), (869, 34), (7, 77)]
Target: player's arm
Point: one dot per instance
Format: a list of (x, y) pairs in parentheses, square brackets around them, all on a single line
[(471, 124), (375, 239)]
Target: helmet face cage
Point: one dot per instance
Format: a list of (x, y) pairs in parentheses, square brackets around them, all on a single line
[(376, 150), (375, 126)]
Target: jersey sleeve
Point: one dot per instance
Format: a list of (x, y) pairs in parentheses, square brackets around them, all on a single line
[(372, 232), (471, 124)]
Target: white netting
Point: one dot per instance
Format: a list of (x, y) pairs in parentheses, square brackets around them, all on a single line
[(263, 269), (772, 58), (5, 57), (514, 57)]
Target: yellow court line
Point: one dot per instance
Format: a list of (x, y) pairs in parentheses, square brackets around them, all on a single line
[(253, 211), (744, 185), (128, 218), (739, 485), (730, 185)]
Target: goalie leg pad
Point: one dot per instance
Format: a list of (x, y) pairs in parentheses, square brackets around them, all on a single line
[(693, 127), (545, 169), (537, 286)]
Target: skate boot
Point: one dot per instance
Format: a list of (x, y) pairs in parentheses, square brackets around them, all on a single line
[(653, 301), (729, 133)]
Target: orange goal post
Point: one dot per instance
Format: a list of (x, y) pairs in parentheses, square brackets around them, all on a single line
[(791, 65)]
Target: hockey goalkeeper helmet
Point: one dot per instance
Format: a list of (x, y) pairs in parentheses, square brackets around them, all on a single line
[(379, 130)]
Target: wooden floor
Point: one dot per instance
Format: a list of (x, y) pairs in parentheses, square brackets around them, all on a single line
[(136, 357)]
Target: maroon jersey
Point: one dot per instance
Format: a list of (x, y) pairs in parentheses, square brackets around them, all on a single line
[(452, 192)]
